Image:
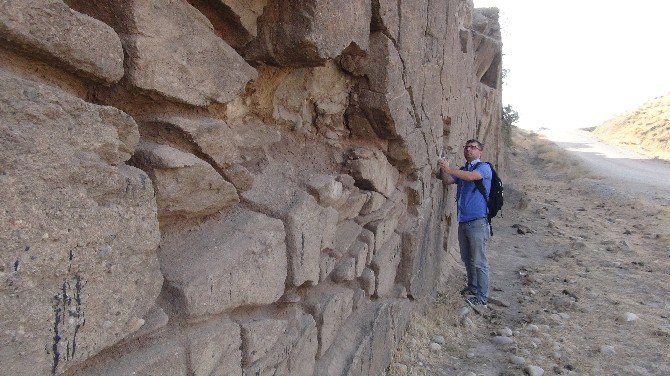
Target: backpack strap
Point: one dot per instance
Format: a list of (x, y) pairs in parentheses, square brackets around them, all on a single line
[(479, 184)]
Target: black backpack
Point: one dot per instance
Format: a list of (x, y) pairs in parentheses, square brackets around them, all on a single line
[(494, 200)]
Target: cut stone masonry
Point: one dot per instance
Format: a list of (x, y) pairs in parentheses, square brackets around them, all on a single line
[(231, 187)]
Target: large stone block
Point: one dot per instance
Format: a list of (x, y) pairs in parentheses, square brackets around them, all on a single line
[(157, 357), (172, 50), (354, 204), (372, 171), (306, 33), (346, 234), (330, 307), (345, 270), (214, 348), (79, 233), (185, 185), (310, 228), (259, 335), (236, 259), (422, 246), (294, 350), (209, 137), (360, 252), (365, 343), (385, 265), (49, 29)]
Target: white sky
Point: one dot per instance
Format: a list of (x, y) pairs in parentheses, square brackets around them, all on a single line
[(575, 64)]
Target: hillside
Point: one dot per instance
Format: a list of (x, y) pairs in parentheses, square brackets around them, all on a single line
[(646, 128)]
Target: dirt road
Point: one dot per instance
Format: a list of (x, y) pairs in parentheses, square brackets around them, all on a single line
[(629, 171), (582, 267)]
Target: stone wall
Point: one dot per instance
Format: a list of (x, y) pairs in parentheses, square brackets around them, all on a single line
[(227, 187)]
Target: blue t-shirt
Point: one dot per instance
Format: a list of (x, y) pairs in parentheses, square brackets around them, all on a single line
[(471, 203)]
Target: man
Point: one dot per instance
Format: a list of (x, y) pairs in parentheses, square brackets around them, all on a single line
[(473, 225)]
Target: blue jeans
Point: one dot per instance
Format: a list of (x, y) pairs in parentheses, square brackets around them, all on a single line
[(473, 238)]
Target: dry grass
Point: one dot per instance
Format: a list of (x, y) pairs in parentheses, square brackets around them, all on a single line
[(647, 128)]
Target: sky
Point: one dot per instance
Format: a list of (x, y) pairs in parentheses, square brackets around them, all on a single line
[(574, 64)]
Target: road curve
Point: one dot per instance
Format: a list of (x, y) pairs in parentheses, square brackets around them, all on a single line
[(643, 177)]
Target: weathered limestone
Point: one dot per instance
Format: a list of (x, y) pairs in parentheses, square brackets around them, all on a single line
[(327, 262), (49, 28), (325, 189), (313, 97), (346, 234), (305, 238), (368, 281), (158, 357), (310, 227), (173, 51), (360, 253), (214, 348), (306, 33), (353, 205), (185, 185), (487, 45), (363, 346), (240, 177), (237, 259), (294, 350), (79, 229), (385, 265), (345, 270), (372, 171), (422, 247), (330, 308), (259, 336), (300, 202), (212, 138)]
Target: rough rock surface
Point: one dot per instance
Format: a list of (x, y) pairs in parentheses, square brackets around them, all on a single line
[(51, 29), (210, 217), (185, 185), (172, 50), (236, 259), (79, 230), (306, 33), (359, 348)]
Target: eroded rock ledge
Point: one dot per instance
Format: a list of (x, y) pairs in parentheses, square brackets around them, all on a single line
[(227, 187)]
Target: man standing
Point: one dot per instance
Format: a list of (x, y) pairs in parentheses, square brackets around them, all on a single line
[(473, 225)]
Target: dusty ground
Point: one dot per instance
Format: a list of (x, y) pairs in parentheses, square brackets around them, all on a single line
[(587, 283)]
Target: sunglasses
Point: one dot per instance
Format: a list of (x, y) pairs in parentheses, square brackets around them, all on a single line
[(466, 147)]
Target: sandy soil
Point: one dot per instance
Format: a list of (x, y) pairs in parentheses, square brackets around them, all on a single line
[(583, 274)]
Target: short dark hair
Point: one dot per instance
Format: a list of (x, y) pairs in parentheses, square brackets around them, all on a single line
[(473, 141)]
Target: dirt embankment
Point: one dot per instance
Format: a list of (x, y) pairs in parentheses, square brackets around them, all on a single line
[(582, 272), (646, 129)]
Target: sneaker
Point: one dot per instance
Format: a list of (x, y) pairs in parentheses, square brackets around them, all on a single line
[(476, 302), (467, 292)]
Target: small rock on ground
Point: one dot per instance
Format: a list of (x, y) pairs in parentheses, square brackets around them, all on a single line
[(534, 371), (501, 340), (517, 360), (608, 350), (505, 332)]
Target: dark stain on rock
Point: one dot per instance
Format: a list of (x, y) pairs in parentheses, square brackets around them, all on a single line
[(67, 303)]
